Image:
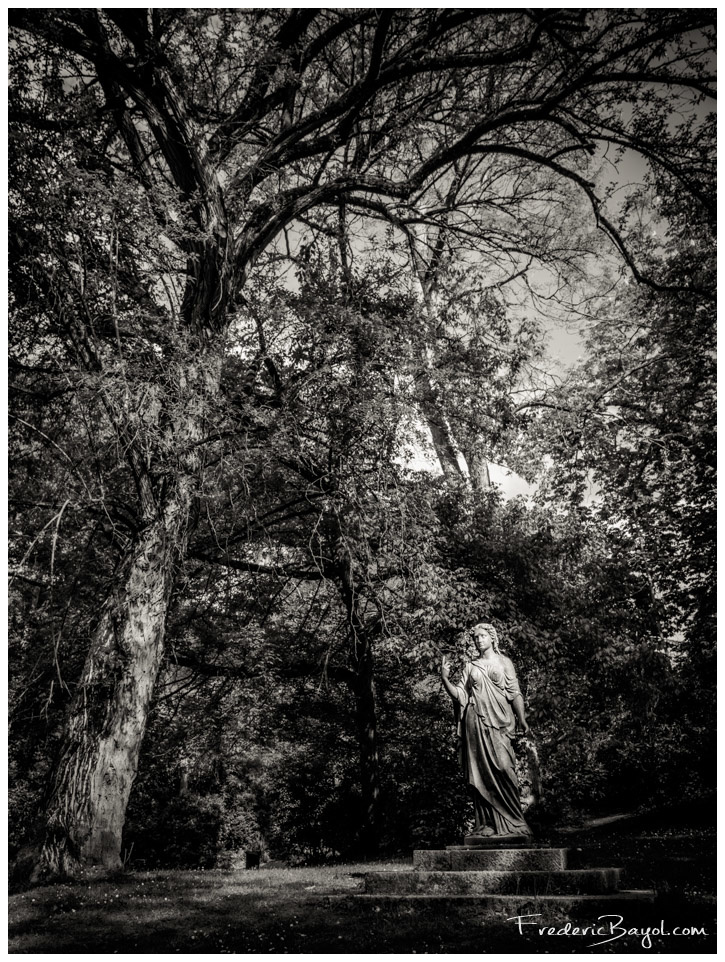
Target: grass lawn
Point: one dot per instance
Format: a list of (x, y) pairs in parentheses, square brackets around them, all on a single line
[(302, 910)]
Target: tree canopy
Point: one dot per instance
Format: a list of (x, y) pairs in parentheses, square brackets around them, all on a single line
[(259, 259)]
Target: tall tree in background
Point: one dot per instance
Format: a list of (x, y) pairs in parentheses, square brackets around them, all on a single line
[(635, 424), (174, 149)]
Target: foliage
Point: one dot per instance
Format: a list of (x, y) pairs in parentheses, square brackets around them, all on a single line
[(258, 259), (636, 425)]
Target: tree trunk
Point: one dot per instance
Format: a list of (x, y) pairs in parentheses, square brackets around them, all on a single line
[(430, 406), (440, 432), (362, 685), (367, 735), (98, 759), (477, 468)]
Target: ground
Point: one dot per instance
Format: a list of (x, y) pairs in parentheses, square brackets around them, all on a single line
[(302, 910)]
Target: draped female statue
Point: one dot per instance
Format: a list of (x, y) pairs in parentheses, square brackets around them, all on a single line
[(489, 706)]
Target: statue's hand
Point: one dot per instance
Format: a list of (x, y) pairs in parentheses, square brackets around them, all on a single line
[(445, 667), (524, 728)]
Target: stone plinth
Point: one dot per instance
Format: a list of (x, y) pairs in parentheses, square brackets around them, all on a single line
[(508, 873), (597, 881), (465, 859)]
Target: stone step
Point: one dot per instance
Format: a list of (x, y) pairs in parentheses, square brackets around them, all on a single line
[(461, 859), (575, 882), (629, 903)]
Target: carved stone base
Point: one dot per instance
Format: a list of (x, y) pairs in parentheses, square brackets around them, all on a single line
[(486, 869), (463, 859)]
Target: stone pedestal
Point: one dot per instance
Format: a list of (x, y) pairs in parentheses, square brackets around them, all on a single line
[(464, 859), (493, 873)]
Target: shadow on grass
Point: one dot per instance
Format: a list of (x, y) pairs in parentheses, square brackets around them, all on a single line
[(305, 910)]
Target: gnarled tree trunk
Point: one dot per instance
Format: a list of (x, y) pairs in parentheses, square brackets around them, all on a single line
[(97, 763)]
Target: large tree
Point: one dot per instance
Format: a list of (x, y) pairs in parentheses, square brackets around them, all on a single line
[(177, 147), (632, 431)]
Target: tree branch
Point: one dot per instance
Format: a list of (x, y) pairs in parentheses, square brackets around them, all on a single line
[(277, 571)]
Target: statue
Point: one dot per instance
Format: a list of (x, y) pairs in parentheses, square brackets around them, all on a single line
[(489, 706)]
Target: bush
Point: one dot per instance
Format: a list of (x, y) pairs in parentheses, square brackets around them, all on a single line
[(183, 833)]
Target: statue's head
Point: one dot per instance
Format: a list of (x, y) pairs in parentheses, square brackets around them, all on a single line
[(483, 629)]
